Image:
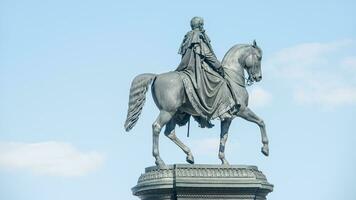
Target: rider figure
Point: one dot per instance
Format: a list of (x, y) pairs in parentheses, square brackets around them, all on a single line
[(203, 76), (197, 43)]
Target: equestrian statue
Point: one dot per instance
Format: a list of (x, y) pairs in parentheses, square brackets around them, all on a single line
[(201, 87)]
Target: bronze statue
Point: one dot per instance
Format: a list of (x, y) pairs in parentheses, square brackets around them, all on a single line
[(200, 87)]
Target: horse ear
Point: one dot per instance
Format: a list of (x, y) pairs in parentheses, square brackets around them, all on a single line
[(254, 44)]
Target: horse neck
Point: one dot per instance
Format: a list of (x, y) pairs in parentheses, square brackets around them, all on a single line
[(232, 66)]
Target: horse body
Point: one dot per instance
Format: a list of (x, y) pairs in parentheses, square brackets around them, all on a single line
[(170, 97)]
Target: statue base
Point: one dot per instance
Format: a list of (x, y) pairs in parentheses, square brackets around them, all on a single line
[(184, 181)]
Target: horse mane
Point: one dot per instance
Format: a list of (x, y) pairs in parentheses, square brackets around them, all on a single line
[(230, 54)]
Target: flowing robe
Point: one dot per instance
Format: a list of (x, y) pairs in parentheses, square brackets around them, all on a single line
[(206, 89)]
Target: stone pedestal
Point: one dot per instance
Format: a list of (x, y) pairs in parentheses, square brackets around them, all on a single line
[(182, 181)]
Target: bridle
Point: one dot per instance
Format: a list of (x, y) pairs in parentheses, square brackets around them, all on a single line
[(251, 51)]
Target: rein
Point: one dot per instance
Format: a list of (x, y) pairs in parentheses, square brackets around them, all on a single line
[(248, 80), (242, 61), (232, 79)]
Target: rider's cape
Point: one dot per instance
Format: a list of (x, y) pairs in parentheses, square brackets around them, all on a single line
[(207, 90)]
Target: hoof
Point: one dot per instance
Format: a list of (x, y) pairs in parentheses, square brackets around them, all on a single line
[(160, 164), (224, 162), (265, 150), (190, 159)]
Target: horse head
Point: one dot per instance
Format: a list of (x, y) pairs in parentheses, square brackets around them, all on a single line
[(251, 62)]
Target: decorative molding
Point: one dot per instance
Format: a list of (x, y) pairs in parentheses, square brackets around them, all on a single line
[(193, 171), (182, 181)]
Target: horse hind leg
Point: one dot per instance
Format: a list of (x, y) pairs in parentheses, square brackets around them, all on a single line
[(170, 133), (163, 118)]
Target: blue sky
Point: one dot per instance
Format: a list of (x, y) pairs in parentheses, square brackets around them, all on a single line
[(66, 68)]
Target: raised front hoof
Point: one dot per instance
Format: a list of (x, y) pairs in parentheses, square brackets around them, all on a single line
[(190, 159), (265, 150)]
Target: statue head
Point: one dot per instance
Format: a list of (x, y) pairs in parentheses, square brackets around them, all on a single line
[(197, 23)]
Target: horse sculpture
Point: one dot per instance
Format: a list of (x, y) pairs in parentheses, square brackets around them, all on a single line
[(170, 97)]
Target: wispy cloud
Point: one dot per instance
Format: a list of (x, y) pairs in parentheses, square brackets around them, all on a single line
[(349, 63), (209, 146), (49, 158), (326, 96), (259, 97), (205, 146), (318, 73)]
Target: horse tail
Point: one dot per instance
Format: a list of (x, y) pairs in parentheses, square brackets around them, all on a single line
[(137, 98)]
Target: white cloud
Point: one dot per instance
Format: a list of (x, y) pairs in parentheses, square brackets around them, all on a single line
[(206, 146), (349, 63), (209, 146), (309, 53), (48, 158), (318, 73), (326, 97), (259, 97)]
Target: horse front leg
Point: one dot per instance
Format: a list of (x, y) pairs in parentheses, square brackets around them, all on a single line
[(162, 119), (170, 133), (248, 115), (224, 129)]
